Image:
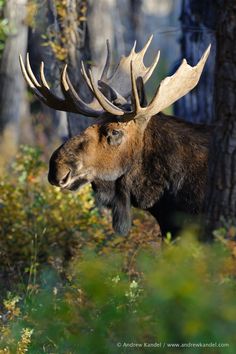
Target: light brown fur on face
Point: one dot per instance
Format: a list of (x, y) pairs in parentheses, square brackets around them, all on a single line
[(103, 151)]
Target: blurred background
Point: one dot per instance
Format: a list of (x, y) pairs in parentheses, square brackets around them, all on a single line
[(68, 283)]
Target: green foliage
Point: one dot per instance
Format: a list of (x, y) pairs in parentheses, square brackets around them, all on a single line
[(32, 8), (39, 223), (180, 295), (81, 289), (71, 27), (4, 27), (42, 225)]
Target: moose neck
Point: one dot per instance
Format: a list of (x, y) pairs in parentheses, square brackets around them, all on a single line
[(173, 162), (168, 174)]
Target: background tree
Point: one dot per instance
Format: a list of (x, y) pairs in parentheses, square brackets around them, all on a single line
[(12, 88), (198, 30), (81, 28), (221, 199)]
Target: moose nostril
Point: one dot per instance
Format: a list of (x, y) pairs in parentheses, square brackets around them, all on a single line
[(65, 179)]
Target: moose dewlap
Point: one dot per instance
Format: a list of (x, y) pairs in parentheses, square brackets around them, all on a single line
[(135, 155)]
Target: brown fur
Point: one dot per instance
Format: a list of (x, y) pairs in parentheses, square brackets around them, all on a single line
[(160, 167)]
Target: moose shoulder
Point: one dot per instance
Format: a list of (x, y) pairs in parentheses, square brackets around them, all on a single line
[(134, 155)]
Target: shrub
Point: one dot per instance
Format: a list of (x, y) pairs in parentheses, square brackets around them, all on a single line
[(81, 289), (184, 294), (42, 225)]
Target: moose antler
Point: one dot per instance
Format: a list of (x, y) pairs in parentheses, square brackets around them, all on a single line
[(117, 87), (127, 80), (170, 89), (119, 80), (70, 93), (72, 102), (43, 92)]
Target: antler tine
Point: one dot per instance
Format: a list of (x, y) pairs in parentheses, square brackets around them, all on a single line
[(145, 48), (137, 107), (88, 109), (176, 86), (64, 84), (85, 76), (132, 52), (120, 81), (152, 67), (104, 75), (142, 53), (29, 82), (30, 72), (43, 92), (103, 86), (42, 76), (46, 95), (104, 102), (25, 74)]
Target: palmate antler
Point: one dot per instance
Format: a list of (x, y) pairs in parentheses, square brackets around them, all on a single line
[(114, 90), (119, 80), (170, 89)]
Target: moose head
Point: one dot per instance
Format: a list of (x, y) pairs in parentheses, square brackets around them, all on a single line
[(106, 154)]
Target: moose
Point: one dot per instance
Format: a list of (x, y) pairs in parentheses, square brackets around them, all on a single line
[(134, 155)]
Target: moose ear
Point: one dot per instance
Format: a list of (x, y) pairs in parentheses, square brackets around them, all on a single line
[(141, 92), (115, 137), (108, 91), (112, 95)]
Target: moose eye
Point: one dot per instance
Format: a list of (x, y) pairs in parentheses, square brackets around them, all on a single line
[(115, 137), (115, 132)]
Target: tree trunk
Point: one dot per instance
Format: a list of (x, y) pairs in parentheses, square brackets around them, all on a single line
[(91, 48), (221, 199), (106, 19), (86, 27), (127, 24), (198, 31), (12, 90)]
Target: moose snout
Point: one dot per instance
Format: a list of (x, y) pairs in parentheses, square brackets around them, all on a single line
[(59, 173), (64, 181), (59, 180)]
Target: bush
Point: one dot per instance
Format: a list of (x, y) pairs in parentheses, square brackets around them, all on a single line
[(185, 294), (42, 225), (4, 28), (82, 289)]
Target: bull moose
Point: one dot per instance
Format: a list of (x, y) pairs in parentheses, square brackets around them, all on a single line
[(135, 155)]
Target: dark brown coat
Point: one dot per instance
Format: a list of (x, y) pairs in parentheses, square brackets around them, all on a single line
[(162, 170)]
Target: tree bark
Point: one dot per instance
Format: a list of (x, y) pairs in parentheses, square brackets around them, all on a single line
[(105, 19), (91, 48), (12, 90), (198, 31), (221, 198), (85, 40)]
